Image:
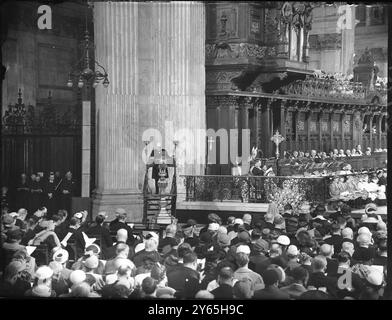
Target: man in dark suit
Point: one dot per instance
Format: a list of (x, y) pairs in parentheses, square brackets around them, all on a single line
[(120, 223), (67, 191), (50, 195), (327, 251), (225, 281), (271, 290), (336, 238), (161, 155), (256, 170), (298, 287), (98, 230), (185, 279), (318, 279)]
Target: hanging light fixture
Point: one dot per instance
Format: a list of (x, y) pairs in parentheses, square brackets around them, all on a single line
[(87, 70)]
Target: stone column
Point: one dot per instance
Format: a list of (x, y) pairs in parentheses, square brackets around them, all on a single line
[(154, 54)]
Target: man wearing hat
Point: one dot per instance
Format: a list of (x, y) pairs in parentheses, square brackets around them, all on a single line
[(258, 261), (14, 283), (120, 223), (61, 256), (212, 218), (89, 267), (42, 283), (50, 195)]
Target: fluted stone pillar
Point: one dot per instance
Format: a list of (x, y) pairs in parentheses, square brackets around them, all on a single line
[(154, 54)]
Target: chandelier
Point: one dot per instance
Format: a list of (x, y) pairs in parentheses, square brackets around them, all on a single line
[(83, 73)]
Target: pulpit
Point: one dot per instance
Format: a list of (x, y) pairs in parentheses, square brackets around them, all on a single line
[(160, 204)]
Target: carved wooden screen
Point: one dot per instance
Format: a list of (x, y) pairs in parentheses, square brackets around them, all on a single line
[(39, 141)]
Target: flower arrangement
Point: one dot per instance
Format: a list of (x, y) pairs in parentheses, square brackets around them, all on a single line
[(291, 193)]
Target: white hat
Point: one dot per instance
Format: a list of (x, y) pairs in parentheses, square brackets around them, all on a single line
[(213, 226), (14, 214), (139, 247), (77, 276), (243, 249), (292, 250), (364, 230), (238, 221), (222, 229), (111, 278), (91, 262), (283, 240), (43, 273), (374, 277), (78, 215), (41, 290)]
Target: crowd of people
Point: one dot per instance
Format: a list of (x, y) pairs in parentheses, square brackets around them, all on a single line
[(363, 186), (39, 190), (319, 156), (278, 255)]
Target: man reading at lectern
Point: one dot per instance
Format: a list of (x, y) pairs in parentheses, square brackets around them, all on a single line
[(160, 156)]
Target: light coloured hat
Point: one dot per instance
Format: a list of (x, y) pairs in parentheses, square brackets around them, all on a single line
[(111, 278), (222, 229), (238, 221), (283, 240), (292, 250), (213, 226), (374, 277), (364, 230), (370, 207), (41, 290), (78, 215), (77, 276), (43, 273), (91, 262), (243, 249)]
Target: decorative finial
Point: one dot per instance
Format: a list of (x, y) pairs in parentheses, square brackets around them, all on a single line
[(20, 96)]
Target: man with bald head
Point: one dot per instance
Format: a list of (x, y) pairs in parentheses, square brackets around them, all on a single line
[(318, 279), (122, 238), (327, 251), (247, 218), (348, 235), (348, 247)]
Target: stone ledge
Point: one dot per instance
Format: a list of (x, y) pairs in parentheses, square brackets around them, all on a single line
[(222, 206)]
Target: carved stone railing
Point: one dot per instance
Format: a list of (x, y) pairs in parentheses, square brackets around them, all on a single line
[(282, 190), (249, 188)]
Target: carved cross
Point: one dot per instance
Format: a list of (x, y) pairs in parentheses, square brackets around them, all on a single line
[(277, 138)]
